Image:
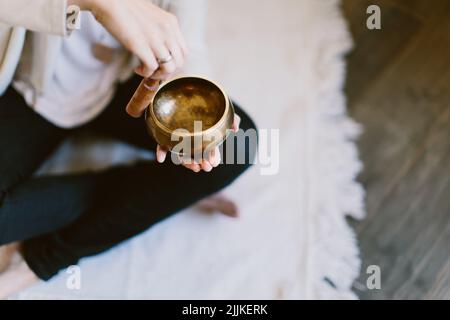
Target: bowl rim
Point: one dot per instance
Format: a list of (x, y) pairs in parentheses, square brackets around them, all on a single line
[(192, 134)]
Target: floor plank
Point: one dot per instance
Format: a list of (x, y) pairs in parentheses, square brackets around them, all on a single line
[(398, 87)]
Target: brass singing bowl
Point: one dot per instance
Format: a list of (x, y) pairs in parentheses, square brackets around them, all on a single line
[(179, 103)]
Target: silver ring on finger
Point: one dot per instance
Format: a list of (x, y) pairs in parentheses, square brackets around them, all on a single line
[(166, 59)]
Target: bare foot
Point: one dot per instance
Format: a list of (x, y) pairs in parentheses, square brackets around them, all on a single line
[(219, 202), (16, 277), (6, 254)]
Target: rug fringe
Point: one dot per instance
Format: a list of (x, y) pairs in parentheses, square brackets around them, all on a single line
[(336, 262)]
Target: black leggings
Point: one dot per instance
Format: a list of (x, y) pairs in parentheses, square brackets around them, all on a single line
[(60, 219)]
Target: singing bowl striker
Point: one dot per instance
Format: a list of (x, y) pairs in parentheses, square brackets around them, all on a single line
[(181, 101)]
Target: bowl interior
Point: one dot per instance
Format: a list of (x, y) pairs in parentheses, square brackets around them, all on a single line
[(182, 101)]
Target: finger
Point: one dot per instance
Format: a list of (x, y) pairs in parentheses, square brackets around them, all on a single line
[(212, 157), (192, 164), (143, 71), (166, 68), (194, 167), (179, 38), (161, 154), (215, 157), (163, 74), (206, 166), (181, 42), (236, 123), (176, 52), (149, 63), (138, 44)]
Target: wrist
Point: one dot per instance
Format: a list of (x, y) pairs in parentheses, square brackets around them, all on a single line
[(85, 5)]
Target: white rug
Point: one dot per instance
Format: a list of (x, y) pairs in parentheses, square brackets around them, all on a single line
[(283, 61)]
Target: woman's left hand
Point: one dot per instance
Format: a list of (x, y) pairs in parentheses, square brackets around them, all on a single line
[(212, 161)]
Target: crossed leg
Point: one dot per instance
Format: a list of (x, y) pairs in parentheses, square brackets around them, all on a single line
[(61, 219)]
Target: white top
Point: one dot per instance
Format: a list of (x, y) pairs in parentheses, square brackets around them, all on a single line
[(81, 85)]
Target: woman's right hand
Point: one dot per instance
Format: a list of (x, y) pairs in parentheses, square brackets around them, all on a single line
[(146, 30)]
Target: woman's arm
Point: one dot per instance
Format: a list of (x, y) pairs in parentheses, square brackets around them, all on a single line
[(146, 30)]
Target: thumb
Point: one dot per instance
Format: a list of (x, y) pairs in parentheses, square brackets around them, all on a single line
[(161, 154)]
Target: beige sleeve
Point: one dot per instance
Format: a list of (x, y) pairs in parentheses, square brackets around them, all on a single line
[(47, 16), (192, 16)]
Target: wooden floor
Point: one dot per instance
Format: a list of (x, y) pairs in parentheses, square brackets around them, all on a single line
[(398, 88)]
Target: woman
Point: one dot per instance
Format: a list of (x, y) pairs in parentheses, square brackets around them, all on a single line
[(67, 81)]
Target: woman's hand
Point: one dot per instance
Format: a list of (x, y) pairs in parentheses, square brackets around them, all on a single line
[(208, 164), (149, 32)]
